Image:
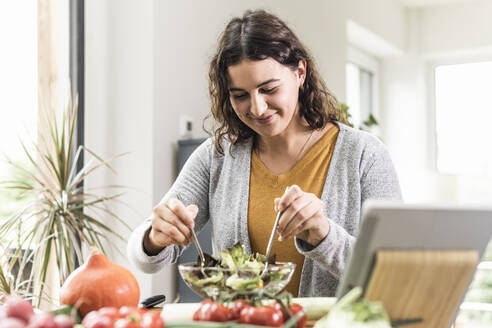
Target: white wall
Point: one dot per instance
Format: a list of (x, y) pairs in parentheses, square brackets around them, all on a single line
[(456, 29), (147, 62), (386, 18), (403, 105), (119, 106)]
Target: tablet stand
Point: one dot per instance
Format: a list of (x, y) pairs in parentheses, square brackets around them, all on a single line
[(427, 285)]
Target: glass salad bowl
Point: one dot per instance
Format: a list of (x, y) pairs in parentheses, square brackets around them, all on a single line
[(217, 282)]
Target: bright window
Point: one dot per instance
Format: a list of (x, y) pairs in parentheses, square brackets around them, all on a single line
[(359, 93), (361, 73), (19, 85), (463, 117)]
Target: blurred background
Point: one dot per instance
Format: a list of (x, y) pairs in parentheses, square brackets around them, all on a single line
[(421, 68)]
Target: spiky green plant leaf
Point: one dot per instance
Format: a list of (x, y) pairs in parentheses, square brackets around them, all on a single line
[(56, 220)]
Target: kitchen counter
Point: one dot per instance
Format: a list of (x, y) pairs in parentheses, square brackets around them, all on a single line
[(183, 312)]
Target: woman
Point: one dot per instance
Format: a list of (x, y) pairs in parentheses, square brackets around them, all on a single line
[(279, 144)]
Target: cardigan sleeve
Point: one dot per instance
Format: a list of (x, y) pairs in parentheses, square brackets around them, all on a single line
[(192, 185), (377, 180)]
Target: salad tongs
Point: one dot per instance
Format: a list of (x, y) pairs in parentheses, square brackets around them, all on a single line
[(270, 242), (197, 243)]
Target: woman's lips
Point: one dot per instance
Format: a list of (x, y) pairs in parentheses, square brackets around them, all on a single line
[(266, 119)]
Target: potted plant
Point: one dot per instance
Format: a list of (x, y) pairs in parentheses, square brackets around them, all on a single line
[(50, 233), (366, 125)]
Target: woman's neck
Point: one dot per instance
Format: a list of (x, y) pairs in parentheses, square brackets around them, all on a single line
[(287, 142), (282, 152), (290, 141)]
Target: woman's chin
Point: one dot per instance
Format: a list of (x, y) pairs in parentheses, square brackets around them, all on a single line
[(268, 133)]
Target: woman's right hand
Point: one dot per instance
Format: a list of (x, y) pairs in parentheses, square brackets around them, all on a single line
[(172, 222)]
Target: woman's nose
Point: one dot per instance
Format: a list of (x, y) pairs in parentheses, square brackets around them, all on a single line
[(258, 106)]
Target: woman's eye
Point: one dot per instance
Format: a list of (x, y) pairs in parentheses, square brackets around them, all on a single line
[(270, 90), (239, 96)]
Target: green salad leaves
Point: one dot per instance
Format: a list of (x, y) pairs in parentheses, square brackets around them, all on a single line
[(237, 271), (350, 312)]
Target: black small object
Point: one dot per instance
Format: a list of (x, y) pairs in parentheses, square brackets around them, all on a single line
[(152, 301)]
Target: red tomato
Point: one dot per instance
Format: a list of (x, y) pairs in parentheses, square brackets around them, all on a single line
[(238, 306), (294, 309), (298, 309), (262, 315), (94, 320), (279, 307), (42, 320), (126, 311), (142, 311), (110, 312), (126, 323), (152, 320), (64, 321), (212, 311)]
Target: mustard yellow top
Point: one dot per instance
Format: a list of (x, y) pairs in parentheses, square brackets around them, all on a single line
[(310, 175)]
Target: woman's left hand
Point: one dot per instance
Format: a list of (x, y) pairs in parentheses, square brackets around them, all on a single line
[(302, 216)]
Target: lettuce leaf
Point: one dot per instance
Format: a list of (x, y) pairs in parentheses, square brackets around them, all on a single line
[(350, 312)]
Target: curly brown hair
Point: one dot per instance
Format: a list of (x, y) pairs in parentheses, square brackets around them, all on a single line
[(256, 36)]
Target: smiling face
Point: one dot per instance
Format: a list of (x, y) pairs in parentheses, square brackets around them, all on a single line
[(264, 94)]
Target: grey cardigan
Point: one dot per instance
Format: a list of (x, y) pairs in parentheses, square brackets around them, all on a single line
[(360, 169)]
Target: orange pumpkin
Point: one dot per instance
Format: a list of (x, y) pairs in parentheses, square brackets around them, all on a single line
[(99, 283)]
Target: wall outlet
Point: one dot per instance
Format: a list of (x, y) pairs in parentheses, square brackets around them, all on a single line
[(185, 127)]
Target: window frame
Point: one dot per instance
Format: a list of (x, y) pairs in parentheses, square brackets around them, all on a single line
[(77, 69), (370, 63), (77, 77), (431, 100)]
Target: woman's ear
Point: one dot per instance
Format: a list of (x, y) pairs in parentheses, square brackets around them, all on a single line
[(301, 72)]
